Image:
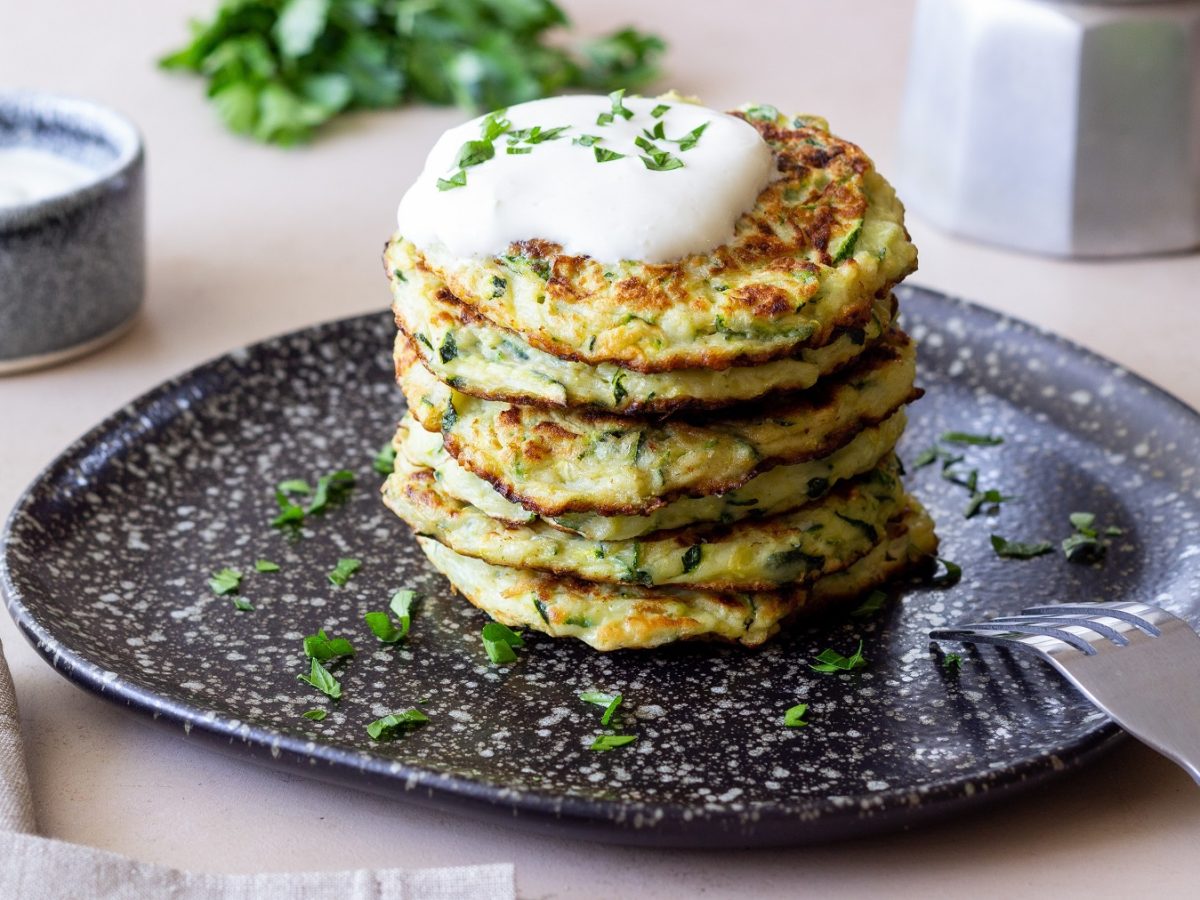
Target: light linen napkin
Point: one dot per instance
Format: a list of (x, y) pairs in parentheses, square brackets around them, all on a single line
[(34, 868)]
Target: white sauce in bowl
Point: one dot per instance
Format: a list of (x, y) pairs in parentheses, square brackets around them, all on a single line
[(28, 175), (557, 190)]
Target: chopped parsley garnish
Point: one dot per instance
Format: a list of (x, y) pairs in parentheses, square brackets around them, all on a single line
[(500, 642), (926, 457), (457, 180), (393, 724), (618, 109), (449, 348), (241, 604), (1085, 544), (381, 624), (605, 155), (331, 488), (691, 557), (688, 141), (762, 113), (289, 512), (320, 678), (321, 646), (794, 717), (659, 111), (587, 140), (265, 565), (661, 161), (385, 460), (952, 662), (948, 578), (315, 715), (612, 741), (518, 151), (610, 702), (343, 571), (990, 497), (473, 153), (226, 581), (832, 661), (963, 437), (873, 604), (1016, 550), (294, 486)]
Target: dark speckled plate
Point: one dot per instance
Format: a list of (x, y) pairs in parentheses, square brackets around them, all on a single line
[(108, 553)]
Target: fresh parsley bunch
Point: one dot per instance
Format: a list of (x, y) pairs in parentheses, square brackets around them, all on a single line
[(278, 69)]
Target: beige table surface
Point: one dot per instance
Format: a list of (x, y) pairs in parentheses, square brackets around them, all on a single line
[(247, 241)]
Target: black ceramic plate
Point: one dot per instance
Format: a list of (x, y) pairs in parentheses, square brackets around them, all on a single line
[(108, 555)]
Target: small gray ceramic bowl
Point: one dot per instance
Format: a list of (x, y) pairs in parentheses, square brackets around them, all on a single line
[(72, 265)]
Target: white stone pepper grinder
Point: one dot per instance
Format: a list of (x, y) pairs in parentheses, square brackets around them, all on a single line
[(1062, 128)]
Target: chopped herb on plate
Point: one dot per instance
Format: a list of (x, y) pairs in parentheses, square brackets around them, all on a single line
[(794, 717), (395, 723), (963, 437), (265, 565), (1007, 549), (320, 678), (612, 741), (952, 662), (381, 624), (385, 460), (832, 661), (315, 715), (610, 702), (241, 604), (226, 581), (344, 570), (501, 642), (321, 646), (951, 575), (874, 603)]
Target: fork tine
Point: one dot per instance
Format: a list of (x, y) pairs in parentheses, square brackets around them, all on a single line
[(1113, 610), (1077, 621), (1003, 636), (975, 629), (1023, 628)]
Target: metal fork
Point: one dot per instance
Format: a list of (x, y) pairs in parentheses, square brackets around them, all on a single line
[(1138, 663)]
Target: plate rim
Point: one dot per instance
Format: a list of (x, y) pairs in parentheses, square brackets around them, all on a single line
[(671, 824)]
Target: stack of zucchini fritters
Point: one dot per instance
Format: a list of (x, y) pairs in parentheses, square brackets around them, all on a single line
[(633, 453)]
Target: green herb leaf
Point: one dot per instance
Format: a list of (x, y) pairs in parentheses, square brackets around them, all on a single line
[(587, 140), (691, 557), (226, 581), (278, 70), (1113, 531), (612, 741), (610, 702), (241, 604), (289, 512), (762, 113), (321, 646), (294, 486), (457, 180), (1016, 550), (320, 678), (950, 577), (688, 141), (331, 488), (316, 715), (518, 151), (794, 717), (952, 662), (472, 153), (618, 387), (605, 155), (981, 498), (659, 110), (385, 460), (1084, 522), (401, 606), (344, 569), (265, 565), (963, 437), (875, 601), (832, 661), (393, 724), (499, 642), (1082, 548), (926, 457)]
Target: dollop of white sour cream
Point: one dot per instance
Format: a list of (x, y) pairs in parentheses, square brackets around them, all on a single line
[(610, 208), (28, 174)]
